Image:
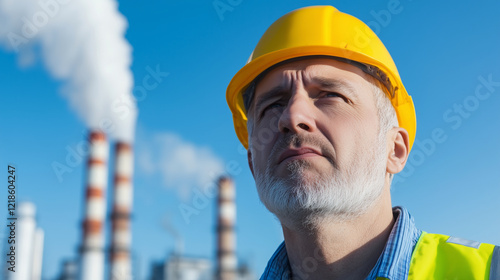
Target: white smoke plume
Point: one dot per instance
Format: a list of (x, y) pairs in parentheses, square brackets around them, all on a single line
[(182, 165), (81, 43)]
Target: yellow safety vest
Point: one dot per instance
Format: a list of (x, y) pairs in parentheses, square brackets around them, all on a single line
[(438, 256)]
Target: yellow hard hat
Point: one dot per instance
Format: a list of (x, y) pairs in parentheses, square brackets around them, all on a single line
[(319, 30)]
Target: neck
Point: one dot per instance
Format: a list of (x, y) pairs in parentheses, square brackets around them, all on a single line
[(341, 249)]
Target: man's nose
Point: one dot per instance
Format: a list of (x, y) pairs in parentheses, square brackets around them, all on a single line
[(298, 115)]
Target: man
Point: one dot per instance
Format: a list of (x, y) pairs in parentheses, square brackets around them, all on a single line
[(327, 123)]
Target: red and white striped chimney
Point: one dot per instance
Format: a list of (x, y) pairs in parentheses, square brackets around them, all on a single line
[(226, 237), (121, 236), (92, 249)]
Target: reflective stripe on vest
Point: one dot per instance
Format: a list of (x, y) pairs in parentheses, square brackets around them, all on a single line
[(440, 257)]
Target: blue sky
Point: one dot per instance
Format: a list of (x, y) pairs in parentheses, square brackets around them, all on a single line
[(447, 55)]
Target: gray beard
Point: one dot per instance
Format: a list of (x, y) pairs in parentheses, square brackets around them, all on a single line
[(305, 199)]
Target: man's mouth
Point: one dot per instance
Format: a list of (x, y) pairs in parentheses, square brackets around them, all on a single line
[(300, 153)]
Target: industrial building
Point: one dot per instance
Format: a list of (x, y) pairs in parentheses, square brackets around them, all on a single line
[(191, 268)]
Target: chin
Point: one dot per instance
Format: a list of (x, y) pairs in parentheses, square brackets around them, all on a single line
[(301, 171), (306, 197)]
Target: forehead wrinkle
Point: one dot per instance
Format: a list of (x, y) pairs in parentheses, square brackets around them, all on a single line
[(287, 80), (290, 78), (316, 77), (297, 80)]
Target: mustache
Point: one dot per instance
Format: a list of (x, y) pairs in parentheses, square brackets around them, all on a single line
[(299, 140)]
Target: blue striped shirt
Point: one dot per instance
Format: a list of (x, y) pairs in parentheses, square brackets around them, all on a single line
[(393, 264)]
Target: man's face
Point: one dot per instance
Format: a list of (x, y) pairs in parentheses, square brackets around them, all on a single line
[(315, 147)]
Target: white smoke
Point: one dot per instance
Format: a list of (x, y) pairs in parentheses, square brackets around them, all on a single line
[(82, 43), (182, 165)]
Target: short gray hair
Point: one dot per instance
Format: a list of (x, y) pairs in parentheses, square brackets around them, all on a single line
[(386, 112)]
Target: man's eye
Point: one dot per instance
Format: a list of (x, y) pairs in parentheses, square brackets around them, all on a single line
[(334, 94), (270, 107), (274, 105)]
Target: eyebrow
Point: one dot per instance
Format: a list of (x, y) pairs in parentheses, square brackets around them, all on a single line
[(335, 84)]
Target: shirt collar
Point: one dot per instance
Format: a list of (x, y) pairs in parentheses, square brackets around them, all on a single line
[(278, 266), (393, 263)]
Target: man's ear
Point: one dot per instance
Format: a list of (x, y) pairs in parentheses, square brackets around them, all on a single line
[(398, 149), (250, 163)]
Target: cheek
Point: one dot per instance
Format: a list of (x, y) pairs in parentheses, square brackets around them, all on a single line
[(350, 132), (366, 133), (265, 132), (262, 138)]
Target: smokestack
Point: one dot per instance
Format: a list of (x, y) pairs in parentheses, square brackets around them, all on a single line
[(226, 237), (29, 245), (26, 227), (121, 235), (36, 266), (92, 248)]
